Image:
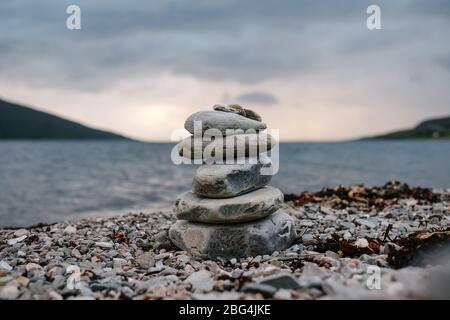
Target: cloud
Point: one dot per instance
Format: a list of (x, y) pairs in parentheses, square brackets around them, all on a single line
[(260, 98), (243, 41), (317, 54)]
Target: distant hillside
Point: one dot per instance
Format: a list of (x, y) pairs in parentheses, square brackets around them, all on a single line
[(19, 122), (429, 129)]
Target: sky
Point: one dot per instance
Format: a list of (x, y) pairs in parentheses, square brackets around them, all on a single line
[(312, 69)]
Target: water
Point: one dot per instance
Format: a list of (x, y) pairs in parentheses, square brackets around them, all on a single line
[(54, 181)]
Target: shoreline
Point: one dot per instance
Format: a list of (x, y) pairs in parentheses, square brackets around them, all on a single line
[(343, 233)]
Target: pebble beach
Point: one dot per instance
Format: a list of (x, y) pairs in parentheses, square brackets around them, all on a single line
[(358, 242)]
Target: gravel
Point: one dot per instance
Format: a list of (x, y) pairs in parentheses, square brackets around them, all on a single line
[(130, 257)]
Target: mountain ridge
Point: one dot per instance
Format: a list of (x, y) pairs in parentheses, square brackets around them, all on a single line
[(436, 129), (23, 122)]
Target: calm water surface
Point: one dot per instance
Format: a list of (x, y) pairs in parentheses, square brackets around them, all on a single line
[(53, 181)]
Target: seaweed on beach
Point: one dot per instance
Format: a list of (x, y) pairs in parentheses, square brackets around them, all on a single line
[(419, 248), (349, 248), (366, 198)]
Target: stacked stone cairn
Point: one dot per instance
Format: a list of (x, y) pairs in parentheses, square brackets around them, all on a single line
[(230, 212)]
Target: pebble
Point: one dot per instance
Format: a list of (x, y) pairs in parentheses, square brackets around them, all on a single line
[(201, 280), (281, 281), (266, 290), (76, 253), (5, 266), (9, 292), (12, 242), (146, 260), (283, 294), (70, 230), (21, 232), (23, 281), (32, 266), (101, 244)]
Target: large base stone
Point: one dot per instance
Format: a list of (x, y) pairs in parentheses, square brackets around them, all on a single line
[(247, 207), (273, 233), (229, 180)]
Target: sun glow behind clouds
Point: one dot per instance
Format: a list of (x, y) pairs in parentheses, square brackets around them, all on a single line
[(311, 69)]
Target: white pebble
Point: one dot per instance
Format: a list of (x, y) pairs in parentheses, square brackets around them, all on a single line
[(102, 244), (361, 243), (70, 230), (21, 232), (5, 265), (12, 242), (9, 293), (32, 266)]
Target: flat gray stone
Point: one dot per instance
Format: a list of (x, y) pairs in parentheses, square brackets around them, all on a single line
[(281, 281), (222, 121), (229, 180), (223, 148), (273, 233), (247, 207), (202, 280)]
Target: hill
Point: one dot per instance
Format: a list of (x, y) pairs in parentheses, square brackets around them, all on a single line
[(20, 122), (429, 129)]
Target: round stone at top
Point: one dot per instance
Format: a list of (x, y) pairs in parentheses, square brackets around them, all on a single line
[(247, 207), (222, 121)]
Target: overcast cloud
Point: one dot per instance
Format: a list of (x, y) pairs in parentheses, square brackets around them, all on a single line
[(141, 67)]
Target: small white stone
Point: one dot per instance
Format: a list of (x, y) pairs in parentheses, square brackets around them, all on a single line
[(20, 253), (201, 280), (361, 243), (347, 235), (119, 262), (70, 230), (9, 292), (12, 242), (5, 265), (21, 232), (103, 244), (76, 253)]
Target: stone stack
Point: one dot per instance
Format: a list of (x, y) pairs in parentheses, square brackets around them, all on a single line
[(231, 212)]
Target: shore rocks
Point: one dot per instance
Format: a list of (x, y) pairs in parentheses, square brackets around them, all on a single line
[(222, 121), (246, 207), (229, 180), (231, 213), (274, 232), (38, 267)]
